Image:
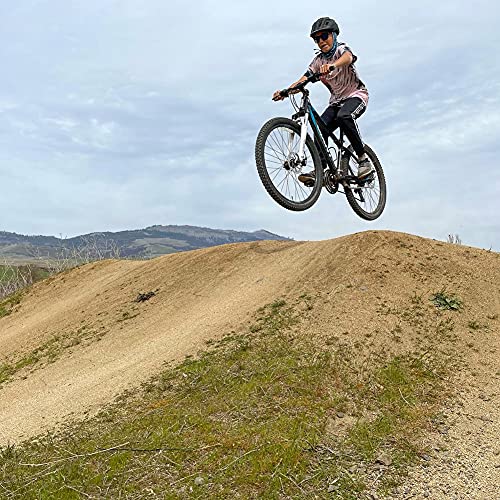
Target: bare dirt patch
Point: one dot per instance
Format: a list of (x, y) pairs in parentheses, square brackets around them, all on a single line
[(372, 291)]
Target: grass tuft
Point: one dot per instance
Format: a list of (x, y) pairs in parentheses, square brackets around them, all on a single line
[(444, 301), (8, 304)]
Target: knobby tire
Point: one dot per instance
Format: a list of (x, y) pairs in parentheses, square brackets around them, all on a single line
[(351, 193), (260, 160)]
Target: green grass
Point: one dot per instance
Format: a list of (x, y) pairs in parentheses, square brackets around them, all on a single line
[(443, 300), (7, 305), (396, 397), (251, 417)]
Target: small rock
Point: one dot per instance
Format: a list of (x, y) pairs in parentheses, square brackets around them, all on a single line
[(426, 457), (199, 481), (484, 397), (384, 459), (143, 297), (332, 487), (340, 414)]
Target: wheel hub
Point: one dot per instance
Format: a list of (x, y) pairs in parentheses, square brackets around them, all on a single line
[(292, 162)]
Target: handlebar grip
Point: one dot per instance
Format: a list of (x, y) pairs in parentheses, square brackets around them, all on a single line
[(331, 68), (284, 93)]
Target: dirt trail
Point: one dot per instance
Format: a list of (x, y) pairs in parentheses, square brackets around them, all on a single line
[(201, 295), (205, 294)]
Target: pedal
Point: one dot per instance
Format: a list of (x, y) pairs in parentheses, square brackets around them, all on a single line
[(369, 178)]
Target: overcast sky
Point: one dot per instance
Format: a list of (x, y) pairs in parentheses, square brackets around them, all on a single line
[(120, 114)]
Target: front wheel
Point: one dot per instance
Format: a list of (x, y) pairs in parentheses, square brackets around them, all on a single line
[(279, 165), (368, 198)]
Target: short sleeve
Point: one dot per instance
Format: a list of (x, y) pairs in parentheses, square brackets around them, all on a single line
[(343, 48), (313, 67)]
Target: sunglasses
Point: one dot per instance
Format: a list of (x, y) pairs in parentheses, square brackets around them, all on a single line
[(323, 36)]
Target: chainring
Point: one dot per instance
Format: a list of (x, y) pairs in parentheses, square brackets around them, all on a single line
[(331, 185)]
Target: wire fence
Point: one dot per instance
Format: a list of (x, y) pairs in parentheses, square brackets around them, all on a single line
[(14, 278)]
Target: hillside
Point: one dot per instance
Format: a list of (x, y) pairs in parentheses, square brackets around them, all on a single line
[(139, 243), (75, 342)]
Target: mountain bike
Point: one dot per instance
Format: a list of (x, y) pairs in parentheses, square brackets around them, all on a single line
[(285, 149)]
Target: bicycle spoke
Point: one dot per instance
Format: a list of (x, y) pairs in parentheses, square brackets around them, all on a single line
[(280, 163), (283, 144), (281, 147), (279, 152), (371, 193), (281, 183), (296, 191), (276, 175), (277, 145), (301, 186), (276, 169), (273, 155)]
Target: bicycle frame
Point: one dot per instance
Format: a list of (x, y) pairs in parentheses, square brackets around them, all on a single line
[(308, 115), (286, 157)]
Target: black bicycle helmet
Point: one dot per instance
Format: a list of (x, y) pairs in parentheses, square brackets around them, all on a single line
[(324, 24)]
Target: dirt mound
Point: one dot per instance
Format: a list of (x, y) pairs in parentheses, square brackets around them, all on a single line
[(82, 338)]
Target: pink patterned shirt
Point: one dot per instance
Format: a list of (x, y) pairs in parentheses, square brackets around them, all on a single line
[(343, 82)]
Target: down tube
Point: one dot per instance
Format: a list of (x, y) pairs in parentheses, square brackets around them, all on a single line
[(317, 133)]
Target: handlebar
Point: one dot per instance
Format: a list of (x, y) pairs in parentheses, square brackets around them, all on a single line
[(310, 79)]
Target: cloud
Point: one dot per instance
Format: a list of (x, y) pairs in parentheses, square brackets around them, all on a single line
[(117, 117)]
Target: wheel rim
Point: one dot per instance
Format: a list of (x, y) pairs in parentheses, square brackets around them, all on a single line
[(368, 195), (281, 160)]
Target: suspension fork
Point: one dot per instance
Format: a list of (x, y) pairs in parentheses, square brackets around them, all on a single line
[(304, 121), (303, 114), (303, 137)]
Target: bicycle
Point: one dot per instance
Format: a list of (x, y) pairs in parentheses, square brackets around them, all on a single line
[(285, 148)]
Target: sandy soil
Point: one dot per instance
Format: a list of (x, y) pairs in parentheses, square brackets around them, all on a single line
[(205, 294)]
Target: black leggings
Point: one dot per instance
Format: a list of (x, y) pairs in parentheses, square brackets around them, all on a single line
[(344, 115)]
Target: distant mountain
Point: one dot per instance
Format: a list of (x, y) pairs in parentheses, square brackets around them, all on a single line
[(140, 243)]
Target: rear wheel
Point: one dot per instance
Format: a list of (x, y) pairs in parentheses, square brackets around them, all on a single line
[(279, 165), (368, 198)]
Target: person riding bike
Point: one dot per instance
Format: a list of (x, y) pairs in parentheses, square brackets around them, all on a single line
[(349, 96)]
